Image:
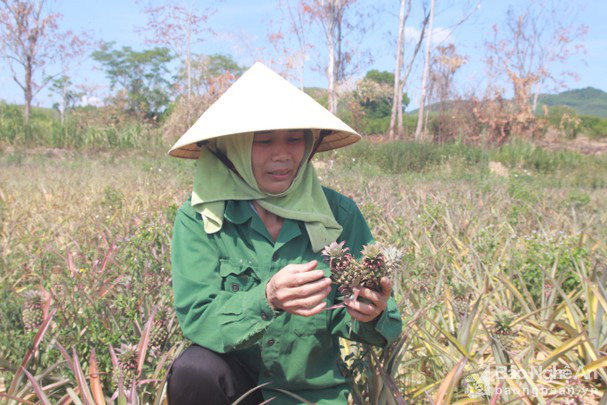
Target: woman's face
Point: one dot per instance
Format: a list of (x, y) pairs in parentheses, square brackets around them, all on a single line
[(275, 157)]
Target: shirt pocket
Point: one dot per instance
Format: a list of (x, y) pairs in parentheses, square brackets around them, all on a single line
[(237, 277), (310, 325)]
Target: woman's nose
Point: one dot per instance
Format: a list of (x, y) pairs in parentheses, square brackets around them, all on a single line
[(280, 150)]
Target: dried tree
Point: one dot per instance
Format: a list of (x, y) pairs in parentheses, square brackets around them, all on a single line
[(343, 58), (29, 41), (71, 48), (445, 63), (396, 118), (177, 27), (297, 18), (529, 44), (422, 97)]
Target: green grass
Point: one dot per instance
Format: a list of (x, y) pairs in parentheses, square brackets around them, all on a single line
[(84, 128)]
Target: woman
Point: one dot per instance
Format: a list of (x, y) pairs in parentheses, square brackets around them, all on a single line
[(249, 282)]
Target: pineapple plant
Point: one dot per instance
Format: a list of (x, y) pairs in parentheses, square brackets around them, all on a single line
[(159, 332), (127, 364), (33, 313), (344, 271), (461, 299), (502, 330)]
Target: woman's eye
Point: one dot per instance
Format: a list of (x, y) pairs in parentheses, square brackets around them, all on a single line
[(262, 142), (295, 140)]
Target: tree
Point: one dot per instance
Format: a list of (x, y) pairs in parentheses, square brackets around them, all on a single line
[(62, 86), (30, 40), (298, 25), (422, 97), (332, 17), (207, 68), (142, 77), (177, 27), (374, 94), (526, 47), (70, 49), (396, 118)]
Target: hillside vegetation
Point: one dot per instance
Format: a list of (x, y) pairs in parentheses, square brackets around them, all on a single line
[(586, 101)]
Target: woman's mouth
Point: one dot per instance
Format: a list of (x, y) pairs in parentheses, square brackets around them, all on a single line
[(279, 175)]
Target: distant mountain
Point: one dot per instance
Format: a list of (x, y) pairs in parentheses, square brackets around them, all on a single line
[(587, 101)]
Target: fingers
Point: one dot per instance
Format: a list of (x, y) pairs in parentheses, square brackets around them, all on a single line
[(308, 302), (363, 307), (375, 304), (310, 288), (359, 316), (303, 267), (311, 311), (386, 287), (299, 289)]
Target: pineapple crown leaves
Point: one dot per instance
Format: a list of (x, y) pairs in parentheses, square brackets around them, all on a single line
[(334, 250), (33, 298), (371, 251), (162, 314), (127, 355), (461, 290), (504, 320), (393, 256)]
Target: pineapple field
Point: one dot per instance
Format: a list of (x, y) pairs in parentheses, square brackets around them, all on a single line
[(498, 259)]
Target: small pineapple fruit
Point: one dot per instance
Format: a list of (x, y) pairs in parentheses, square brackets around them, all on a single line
[(344, 271), (33, 314), (422, 284), (461, 299), (127, 364), (502, 330), (159, 331), (374, 263)]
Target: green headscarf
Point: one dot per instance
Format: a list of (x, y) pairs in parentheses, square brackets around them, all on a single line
[(304, 200)]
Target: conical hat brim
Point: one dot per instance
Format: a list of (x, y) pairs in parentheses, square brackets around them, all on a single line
[(261, 100)]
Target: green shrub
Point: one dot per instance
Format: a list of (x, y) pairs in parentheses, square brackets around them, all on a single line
[(594, 127)]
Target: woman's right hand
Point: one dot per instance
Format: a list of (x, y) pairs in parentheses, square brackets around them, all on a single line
[(299, 289)]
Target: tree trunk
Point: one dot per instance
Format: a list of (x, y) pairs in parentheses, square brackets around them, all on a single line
[(422, 100), (397, 99), (188, 60), (331, 72), (63, 101), (28, 91), (536, 96)]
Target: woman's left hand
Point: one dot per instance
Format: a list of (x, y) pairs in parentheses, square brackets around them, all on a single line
[(376, 304)]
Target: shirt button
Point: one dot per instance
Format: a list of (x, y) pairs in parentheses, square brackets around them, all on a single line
[(275, 256), (235, 287), (271, 342), (264, 316)]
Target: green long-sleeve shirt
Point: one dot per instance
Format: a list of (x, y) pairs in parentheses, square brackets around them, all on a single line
[(219, 283)]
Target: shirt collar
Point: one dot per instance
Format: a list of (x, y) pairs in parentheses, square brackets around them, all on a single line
[(237, 212)]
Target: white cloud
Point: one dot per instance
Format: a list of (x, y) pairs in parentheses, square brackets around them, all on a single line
[(440, 36), (91, 100)]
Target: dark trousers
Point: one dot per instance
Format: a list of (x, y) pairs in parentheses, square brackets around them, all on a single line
[(200, 376)]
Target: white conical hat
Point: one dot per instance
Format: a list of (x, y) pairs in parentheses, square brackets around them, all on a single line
[(261, 100)]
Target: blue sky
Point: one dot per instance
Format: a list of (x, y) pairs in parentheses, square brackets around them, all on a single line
[(241, 28)]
